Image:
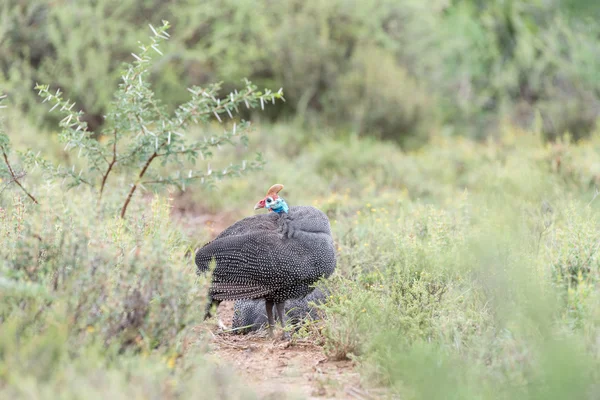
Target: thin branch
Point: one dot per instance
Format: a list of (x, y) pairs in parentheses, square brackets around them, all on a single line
[(77, 178), (110, 166), (15, 178), (163, 182), (134, 187), (131, 154), (7, 184), (170, 181)]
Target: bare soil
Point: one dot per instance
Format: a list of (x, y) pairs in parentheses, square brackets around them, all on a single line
[(283, 369)]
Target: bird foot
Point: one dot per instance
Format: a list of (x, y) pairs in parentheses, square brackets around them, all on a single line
[(285, 336), (221, 325)]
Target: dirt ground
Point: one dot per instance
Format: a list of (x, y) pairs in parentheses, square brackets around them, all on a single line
[(281, 369)]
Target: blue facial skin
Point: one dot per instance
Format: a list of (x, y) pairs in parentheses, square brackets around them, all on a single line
[(278, 205)]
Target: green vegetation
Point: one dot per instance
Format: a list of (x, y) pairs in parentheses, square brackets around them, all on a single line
[(468, 266), (138, 131), (462, 67), (474, 265)]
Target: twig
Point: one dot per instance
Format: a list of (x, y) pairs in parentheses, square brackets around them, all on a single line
[(7, 184), (110, 166), (596, 193), (135, 185), (15, 178)]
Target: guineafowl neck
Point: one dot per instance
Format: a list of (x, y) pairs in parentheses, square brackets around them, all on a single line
[(282, 207)]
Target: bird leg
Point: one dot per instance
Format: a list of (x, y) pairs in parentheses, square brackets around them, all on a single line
[(271, 321), (281, 314)]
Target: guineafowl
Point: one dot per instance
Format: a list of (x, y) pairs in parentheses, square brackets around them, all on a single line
[(275, 256), (250, 316)]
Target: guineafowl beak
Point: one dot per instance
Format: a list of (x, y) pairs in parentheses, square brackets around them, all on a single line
[(260, 204)]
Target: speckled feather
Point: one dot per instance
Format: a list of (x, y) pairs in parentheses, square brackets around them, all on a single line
[(250, 315), (272, 256)]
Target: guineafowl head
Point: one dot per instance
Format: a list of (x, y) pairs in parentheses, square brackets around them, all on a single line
[(272, 201)]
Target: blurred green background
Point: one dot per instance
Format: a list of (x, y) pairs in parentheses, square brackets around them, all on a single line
[(454, 146), (398, 70)]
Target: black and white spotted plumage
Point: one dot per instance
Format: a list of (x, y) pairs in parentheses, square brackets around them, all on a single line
[(250, 315), (271, 256)]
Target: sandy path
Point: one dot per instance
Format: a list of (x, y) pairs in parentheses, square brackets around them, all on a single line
[(278, 369)]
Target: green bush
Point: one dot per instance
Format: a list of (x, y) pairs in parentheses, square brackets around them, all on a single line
[(466, 297), (92, 304), (82, 294), (84, 289), (397, 70), (507, 60), (402, 111), (463, 267), (124, 284), (138, 132), (317, 52), (475, 293), (9, 174), (78, 47)]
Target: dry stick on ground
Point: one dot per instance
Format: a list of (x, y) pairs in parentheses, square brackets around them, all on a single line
[(16, 178)]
